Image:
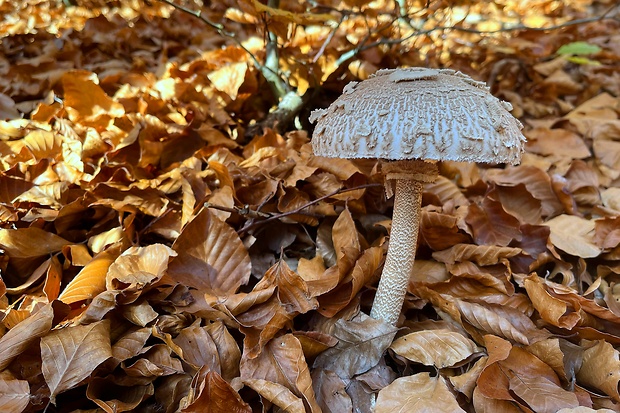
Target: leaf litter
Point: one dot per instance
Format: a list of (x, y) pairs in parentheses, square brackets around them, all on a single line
[(159, 254)]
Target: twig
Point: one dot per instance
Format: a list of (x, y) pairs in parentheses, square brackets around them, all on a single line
[(362, 47), (251, 225), (272, 76)]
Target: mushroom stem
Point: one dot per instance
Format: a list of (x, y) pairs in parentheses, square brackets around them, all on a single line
[(410, 177)]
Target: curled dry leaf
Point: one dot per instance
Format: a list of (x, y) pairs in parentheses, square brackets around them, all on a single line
[(440, 231), (293, 292), (480, 254), (277, 394), (211, 393), (282, 362), (14, 395), (70, 355), (331, 392), (417, 393), (553, 310), (361, 343), (573, 235), (491, 224), (138, 267), (17, 339), (439, 348), (211, 257), (601, 369), (90, 281), (537, 182), (115, 398)]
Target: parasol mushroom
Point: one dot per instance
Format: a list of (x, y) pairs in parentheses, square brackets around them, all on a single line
[(409, 119)]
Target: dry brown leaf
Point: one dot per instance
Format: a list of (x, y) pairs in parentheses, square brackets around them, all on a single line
[(115, 398), (17, 339), (138, 267), (601, 369), (198, 348), (447, 191), (293, 292), (211, 257), (519, 202), (542, 395), (439, 348), (71, 354), (277, 394), (86, 102), (573, 235), (14, 395), (466, 382), (551, 309), (130, 344), (480, 254), (90, 281), (227, 348), (440, 231), (499, 320), (30, 242), (556, 142), (331, 392), (361, 343), (535, 180), (607, 232), (417, 393), (214, 395), (363, 271), (282, 362), (491, 224), (484, 404)]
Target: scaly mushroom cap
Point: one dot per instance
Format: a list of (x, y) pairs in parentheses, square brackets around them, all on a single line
[(418, 113)]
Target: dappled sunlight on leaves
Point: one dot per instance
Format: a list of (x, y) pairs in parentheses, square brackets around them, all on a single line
[(169, 242)]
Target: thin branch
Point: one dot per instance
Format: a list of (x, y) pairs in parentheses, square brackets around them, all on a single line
[(272, 76), (251, 225), (362, 47)]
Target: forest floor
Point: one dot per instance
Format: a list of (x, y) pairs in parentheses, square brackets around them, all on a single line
[(166, 246)]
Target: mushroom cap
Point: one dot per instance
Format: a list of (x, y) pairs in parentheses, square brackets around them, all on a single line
[(418, 113)]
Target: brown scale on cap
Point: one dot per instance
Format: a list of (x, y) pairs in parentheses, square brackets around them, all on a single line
[(406, 117)]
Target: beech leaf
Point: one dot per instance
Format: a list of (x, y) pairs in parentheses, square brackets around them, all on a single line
[(573, 235), (71, 354), (417, 393), (439, 348), (361, 343), (17, 339), (211, 257), (14, 395)]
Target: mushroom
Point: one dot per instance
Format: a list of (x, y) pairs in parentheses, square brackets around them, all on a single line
[(409, 119)]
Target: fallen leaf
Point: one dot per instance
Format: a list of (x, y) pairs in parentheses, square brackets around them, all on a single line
[(439, 348), (417, 393), (205, 261), (573, 235), (71, 354), (17, 339), (14, 395), (601, 369), (361, 343)]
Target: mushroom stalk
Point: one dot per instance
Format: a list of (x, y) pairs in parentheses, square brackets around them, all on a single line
[(409, 177)]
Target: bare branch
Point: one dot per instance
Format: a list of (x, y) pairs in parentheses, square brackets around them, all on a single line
[(250, 225), (519, 27), (268, 73)]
